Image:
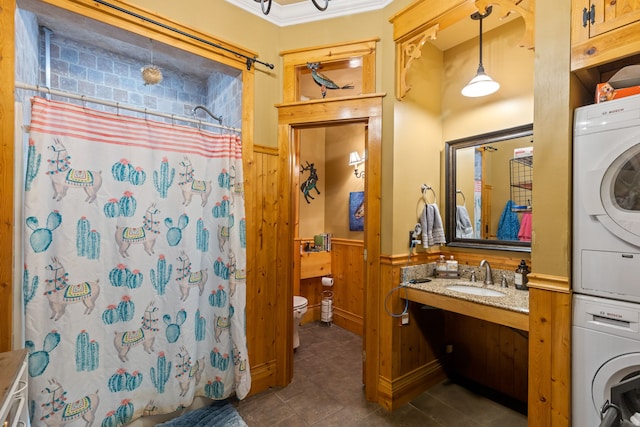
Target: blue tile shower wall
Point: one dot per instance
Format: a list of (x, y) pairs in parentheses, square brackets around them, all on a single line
[(88, 70), (225, 94), (109, 76), (26, 48)]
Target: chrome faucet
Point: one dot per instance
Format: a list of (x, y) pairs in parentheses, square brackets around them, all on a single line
[(488, 277)]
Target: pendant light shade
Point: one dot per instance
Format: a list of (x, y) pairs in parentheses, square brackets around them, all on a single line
[(481, 84)]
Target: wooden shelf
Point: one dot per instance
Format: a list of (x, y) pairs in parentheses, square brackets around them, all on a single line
[(315, 264)]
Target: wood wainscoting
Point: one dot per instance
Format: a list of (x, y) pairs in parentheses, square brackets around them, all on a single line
[(347, 270), (262, 281), (486, 353), (418, 358)]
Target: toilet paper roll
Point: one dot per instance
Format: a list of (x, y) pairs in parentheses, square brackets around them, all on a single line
[(327, 281)]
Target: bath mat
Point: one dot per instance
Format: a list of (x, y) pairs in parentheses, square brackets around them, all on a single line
[(219, 414)]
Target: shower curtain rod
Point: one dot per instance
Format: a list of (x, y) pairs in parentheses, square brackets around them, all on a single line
[(250, 60), (118, 106)]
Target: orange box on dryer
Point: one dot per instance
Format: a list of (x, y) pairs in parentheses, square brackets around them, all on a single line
[(606, 92)]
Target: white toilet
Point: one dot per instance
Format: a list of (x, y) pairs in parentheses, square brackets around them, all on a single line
[(299, 309)]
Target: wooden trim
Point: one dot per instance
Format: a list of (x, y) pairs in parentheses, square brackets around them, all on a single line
[(7, 135), (625, 41), (262, 377), (287, 112), (497, 315), (328, 53), (135, 25), (423, 19), (549, 283), (270, 151), (348, 321), (292, 117), (398, 392), (332, 51), (505, 262)]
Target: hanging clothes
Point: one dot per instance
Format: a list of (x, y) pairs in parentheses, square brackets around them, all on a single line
[(524, 234), (508, 225)]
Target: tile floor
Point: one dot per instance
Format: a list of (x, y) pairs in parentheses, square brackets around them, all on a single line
[(327, 391)]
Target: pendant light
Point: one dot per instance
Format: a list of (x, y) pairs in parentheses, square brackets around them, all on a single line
[(481, 84)]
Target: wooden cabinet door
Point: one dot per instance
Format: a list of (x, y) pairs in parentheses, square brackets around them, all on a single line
[(612, 14), (603, 31), (595, 17)]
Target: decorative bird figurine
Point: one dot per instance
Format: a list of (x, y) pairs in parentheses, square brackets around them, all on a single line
[(323, 81)]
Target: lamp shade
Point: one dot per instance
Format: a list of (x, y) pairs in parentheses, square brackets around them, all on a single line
[(480, 85), (354, 158)]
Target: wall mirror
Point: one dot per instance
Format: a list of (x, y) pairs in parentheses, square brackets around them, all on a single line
[(489, 188)]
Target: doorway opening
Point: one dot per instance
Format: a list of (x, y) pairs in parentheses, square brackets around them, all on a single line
[(362, 114)]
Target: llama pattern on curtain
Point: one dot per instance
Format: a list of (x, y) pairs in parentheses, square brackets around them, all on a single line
[(134, 266)]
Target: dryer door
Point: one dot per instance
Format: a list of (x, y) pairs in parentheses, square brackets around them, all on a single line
[(612, 193), (623, 368)]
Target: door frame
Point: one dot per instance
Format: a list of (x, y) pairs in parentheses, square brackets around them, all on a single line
[(365, 109)]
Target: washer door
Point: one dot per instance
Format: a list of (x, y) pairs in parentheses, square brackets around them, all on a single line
[(610, 374), (612, 193)]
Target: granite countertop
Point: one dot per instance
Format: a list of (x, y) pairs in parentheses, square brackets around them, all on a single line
[(514, 300)]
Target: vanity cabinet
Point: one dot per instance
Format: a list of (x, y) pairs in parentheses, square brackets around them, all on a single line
[(13, 388), (521, 180), (603, 31)]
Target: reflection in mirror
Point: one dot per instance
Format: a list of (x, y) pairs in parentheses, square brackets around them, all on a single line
[(489, 189)]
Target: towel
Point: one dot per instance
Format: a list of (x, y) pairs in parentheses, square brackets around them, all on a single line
[(525, 228), (431, 223), (509, 225), (464, 228)]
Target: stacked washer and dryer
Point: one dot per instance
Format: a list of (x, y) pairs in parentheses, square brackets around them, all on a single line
[(606, 264)]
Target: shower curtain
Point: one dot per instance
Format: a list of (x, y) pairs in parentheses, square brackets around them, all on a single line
[(134, 266)]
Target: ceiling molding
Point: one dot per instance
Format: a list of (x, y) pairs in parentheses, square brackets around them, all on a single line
[(305, 11)]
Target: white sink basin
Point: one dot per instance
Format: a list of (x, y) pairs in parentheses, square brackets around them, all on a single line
[(474, 290)]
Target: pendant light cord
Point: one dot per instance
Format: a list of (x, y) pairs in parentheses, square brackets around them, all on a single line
[(480, 17)]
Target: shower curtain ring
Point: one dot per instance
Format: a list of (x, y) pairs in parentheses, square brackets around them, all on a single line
[(145, 114), (173, 120), (84, 102), (117, 108)]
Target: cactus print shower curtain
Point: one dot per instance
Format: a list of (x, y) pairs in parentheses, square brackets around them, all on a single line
[(134, 266)]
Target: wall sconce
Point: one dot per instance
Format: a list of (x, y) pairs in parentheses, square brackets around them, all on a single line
[(481, 84), (355, 160)]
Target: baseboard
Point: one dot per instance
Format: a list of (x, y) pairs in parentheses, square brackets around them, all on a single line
[(348, 321), (345, 319), (392, 394), (263, 376)]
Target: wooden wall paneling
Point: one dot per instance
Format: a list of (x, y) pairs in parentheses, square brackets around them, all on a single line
[(348, 289), (386, 323), (506, 358), (297, 261), (284, 262), (7, 55), (561, 367), (410, 356), (521, 365), (372, 296), (262, 282), (549, 358), (489, 354)]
